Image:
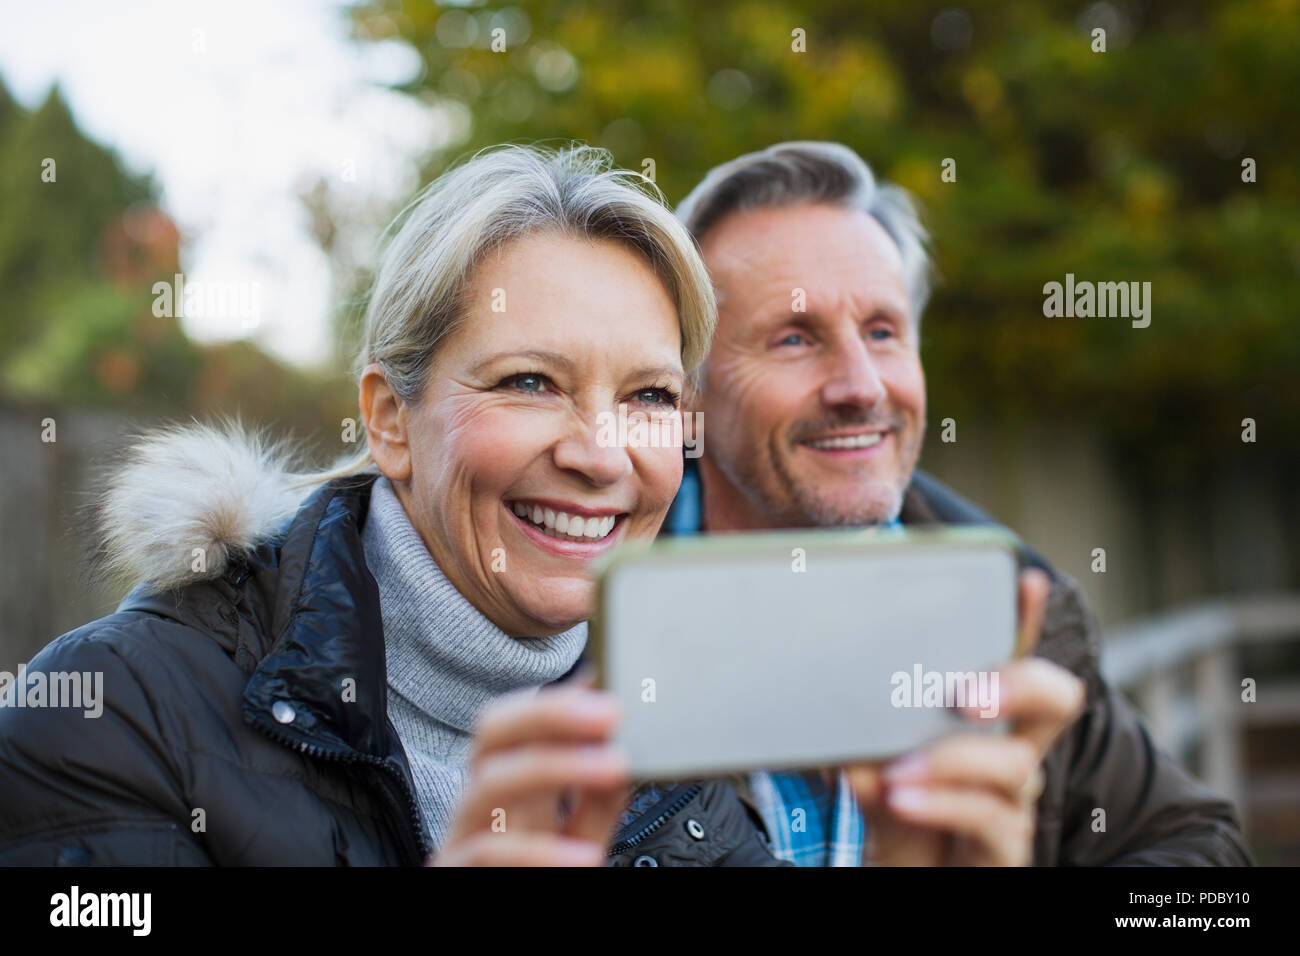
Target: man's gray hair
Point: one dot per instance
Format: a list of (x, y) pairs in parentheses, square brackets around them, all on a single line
[(799, 172)]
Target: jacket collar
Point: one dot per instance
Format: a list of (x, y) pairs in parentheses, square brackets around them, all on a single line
[(300, 612), (323, 678)]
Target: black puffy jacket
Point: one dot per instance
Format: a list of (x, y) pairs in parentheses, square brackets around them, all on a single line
[(224, 740)]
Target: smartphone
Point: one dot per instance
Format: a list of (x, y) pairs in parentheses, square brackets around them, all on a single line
[(801, 649)]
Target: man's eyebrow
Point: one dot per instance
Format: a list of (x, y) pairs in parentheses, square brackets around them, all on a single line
[(889, 312), (539, 355)]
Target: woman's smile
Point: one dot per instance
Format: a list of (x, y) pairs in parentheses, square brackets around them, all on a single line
[(567, 530)]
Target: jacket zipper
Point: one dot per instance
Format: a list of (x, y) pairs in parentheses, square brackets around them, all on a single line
[(644, 833), (422, 847)]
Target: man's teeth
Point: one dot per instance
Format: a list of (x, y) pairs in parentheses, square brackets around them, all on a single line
[(848, 441), (559, 524)]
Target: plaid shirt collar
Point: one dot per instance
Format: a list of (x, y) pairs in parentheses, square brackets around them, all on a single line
[(809, 823)]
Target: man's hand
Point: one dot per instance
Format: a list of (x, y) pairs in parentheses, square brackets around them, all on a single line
[(970, 799), (545, 788)]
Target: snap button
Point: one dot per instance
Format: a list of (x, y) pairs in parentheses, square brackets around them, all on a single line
[(694, 828), (644, 860), (283, 712)]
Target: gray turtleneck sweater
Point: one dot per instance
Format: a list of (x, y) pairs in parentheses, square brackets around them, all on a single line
[(446, 661)]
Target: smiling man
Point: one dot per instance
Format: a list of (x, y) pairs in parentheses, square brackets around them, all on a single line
[(813, 405), (820, 397)]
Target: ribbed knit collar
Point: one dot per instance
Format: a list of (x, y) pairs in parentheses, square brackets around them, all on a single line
[(444, 656)]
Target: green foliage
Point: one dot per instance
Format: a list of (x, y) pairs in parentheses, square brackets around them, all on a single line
[(79, 256), (1115, 166), (96, 330), (50, 230)]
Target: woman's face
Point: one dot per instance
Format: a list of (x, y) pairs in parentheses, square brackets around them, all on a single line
[(518, 475)]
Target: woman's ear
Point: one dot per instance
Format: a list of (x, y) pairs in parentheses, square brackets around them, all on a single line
[(386, 426)]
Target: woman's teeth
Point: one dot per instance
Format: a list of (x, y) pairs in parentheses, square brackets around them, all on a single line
[(848, 441), (566, 527)]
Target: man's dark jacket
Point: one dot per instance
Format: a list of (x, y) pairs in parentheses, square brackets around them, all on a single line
[(1156, 814), (226, 737)]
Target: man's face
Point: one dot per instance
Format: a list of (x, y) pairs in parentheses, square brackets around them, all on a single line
[(813, 395)]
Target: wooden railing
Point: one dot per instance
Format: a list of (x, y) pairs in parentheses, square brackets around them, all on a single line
[(1184, 670)]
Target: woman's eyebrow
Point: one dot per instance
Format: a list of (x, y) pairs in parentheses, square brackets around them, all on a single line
[(657, 371), (539, 355), (564, 362)]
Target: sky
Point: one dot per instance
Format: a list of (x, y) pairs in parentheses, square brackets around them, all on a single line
[(234, 106)]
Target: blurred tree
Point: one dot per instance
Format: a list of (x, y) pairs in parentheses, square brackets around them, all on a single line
[(59, 191), (1117, 166), (81, 247)]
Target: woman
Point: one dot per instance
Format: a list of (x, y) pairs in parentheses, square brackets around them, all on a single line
[(342, 668)]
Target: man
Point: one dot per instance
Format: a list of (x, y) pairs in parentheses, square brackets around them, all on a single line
[(813, 407)]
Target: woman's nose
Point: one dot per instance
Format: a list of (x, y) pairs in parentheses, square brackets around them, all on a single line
[(597, 454), (852, 377)]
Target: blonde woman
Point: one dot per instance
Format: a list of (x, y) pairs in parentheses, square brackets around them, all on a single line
[(344, 667)]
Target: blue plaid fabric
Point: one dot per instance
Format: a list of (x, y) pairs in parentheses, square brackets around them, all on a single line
[(810, 823)]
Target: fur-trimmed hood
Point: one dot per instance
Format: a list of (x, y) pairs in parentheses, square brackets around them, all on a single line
[(181, 499)]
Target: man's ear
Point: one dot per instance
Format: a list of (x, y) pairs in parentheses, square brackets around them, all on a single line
[(386, 424)]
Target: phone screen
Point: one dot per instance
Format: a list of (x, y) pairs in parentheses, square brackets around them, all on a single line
[(802, 649)]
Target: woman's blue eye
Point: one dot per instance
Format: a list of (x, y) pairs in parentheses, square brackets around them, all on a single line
[(657, 396), (526, 382)]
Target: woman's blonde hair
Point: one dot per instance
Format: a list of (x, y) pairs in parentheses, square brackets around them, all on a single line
[(505, 193)]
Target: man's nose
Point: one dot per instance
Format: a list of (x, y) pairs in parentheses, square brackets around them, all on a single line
[(596, 453), (853, 379)]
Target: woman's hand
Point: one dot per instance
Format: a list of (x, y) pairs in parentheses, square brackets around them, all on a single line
[(972, 799), (546, 787)]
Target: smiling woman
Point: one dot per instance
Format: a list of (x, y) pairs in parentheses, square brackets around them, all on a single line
[(514, 401), (344, 667)]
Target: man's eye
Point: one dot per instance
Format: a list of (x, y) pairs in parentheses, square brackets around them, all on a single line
[(881, 332), (525, 382), (794, 338)]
